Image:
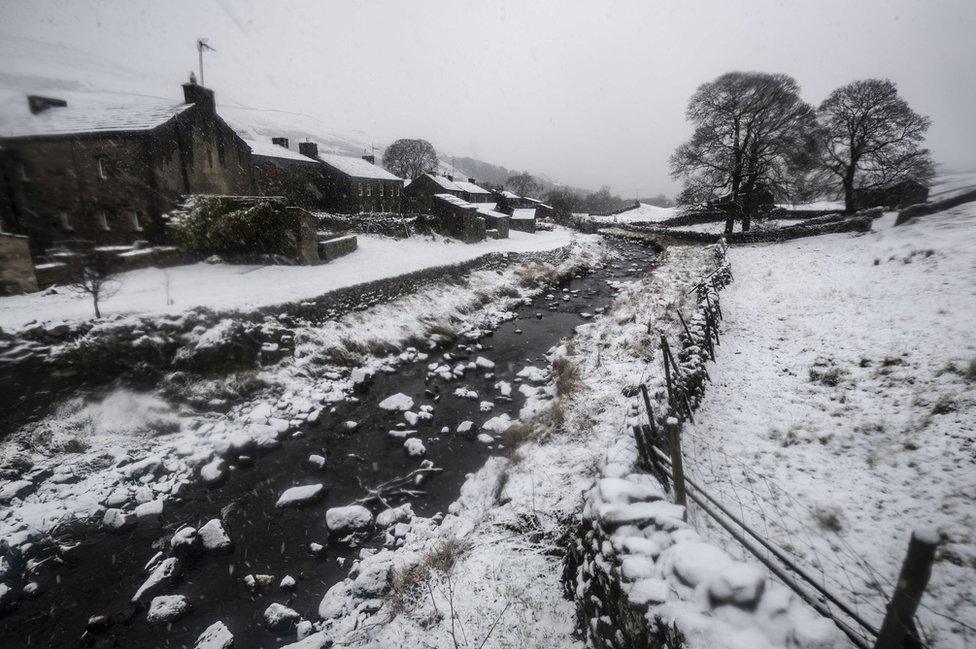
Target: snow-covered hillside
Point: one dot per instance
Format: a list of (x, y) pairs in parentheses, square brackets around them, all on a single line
[(842, 410)]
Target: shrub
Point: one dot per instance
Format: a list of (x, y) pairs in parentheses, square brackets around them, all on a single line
[(219, 225)]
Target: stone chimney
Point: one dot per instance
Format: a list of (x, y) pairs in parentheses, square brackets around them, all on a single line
[(40, 104), (193, 93), (309, 149), (450, 177), (471, 180), (280, 141), (371, 159)]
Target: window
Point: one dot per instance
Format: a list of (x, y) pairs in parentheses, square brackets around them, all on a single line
[(65, 221), (103, 220), (360, 189), (23, 172), (102, 168), (136, 221), (381, 191), (369, 189)]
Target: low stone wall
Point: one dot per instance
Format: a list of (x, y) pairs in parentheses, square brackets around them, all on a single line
[(16, 266), (524, 225), (627, 524), (924, 209), (672, 236), (338, 247)]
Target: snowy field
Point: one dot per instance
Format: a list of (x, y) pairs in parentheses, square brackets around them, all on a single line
[(643, 214), (847, 376), (224, 287)]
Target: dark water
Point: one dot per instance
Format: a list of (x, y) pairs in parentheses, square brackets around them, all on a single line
[(104, 571)]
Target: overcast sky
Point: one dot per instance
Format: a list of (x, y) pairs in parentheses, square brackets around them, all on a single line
[(587, 92)]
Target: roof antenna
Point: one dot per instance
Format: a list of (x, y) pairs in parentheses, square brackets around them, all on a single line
[(201, 46)]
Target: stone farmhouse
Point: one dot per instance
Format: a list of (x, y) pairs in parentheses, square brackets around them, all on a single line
[(107, 174)]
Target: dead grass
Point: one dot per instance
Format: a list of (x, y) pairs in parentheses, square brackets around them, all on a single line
[(829, 518), (567, 375), (825, 372), (414, 583), (535, 273)]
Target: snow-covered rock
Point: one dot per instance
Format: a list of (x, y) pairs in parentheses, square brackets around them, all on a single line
[(213, 536), (414, 447), (215, 636), (117, 520), (186, 541), (316, 460), (393, 515), (287, 583), (484, 363), (373, 579), (166, 608), (498, 424), (281, 619), (161, 576), (348, 519), (465, 426), (151, 510), (300, 495), (397, 401), (212, 472)]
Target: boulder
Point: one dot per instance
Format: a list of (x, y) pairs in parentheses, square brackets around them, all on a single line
[(116, 520), (300, 495), (167, 608), (214, 537), (281, 619), (215, 636), (348, 519)]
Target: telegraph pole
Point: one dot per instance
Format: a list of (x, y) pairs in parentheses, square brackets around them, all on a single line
[(201, 46)]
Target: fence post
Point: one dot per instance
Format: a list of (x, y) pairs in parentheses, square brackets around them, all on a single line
[(673, 429), (915, 572)]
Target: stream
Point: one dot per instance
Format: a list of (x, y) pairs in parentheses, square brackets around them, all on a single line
[(104, 570)]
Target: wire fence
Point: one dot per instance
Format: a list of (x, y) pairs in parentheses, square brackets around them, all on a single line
[(729, 496)]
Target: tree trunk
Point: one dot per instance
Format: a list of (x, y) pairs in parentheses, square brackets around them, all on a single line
[(98, 314), (849, 195)]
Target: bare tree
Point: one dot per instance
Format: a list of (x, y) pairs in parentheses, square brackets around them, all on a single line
[(524, 184), (410, 158), (753, 134), (872, 138), (91, 277)]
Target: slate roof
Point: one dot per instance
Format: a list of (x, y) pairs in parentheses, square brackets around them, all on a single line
[(356, 167), (266, 149), (77, 120)]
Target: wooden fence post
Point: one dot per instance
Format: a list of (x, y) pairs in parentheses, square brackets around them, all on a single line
[(673, 429), (914, 576)]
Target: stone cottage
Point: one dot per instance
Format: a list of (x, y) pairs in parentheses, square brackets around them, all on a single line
[(106, 174)]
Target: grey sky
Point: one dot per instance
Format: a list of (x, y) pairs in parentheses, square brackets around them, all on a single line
[(588, 93)]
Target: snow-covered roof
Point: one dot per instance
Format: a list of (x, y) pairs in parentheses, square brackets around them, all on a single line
[(489, 209), (526, 213), (470, 188), (454, 200), (510, 195), (268, 150), (76, 119), (537, 202), (356, 167), (444, 182)]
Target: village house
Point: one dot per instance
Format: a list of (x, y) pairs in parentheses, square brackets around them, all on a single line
[(422, 190), (354, 185), (105, 174), (280, 171)]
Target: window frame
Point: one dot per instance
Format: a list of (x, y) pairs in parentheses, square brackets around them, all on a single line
[(103, 220), (65, 219), (102, 164), (136, 217)]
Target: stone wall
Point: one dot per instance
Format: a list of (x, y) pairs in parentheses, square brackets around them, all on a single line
[(16, 266), (330, 249), (523, 225), (924, 209)]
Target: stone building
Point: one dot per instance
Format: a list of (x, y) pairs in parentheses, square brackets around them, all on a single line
[(895, 196), (280, 171), (421, 192), (106, 174), (353, 185)]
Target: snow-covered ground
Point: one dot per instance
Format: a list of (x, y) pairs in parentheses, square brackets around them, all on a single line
[(949, 185), (644, 213), (242, 287), (172, 444), (847, 377)]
